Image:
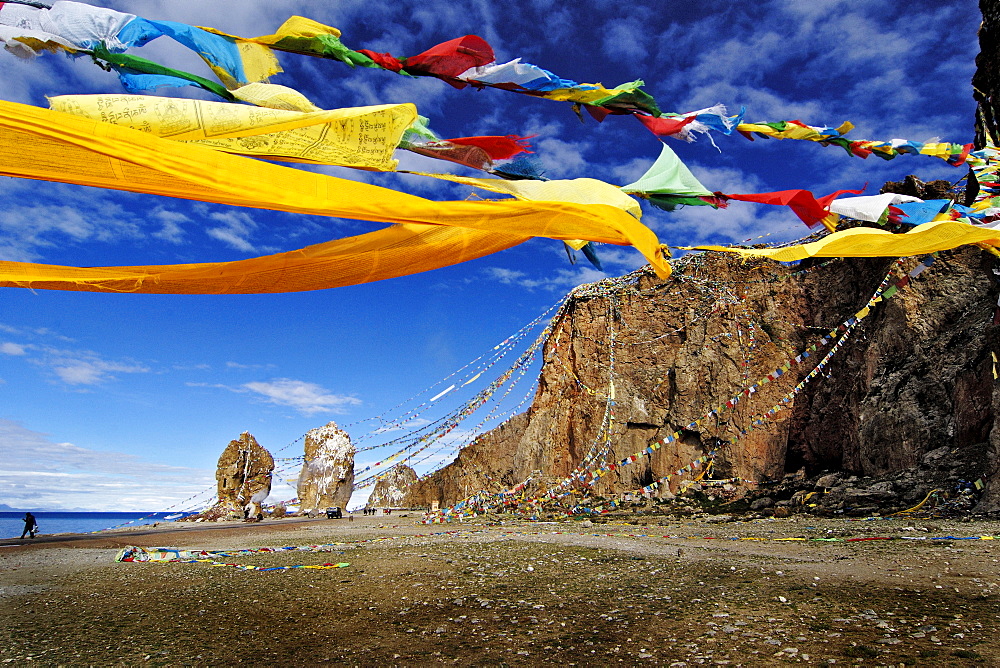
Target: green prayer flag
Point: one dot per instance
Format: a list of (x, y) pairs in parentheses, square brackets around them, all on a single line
[(668, 176)]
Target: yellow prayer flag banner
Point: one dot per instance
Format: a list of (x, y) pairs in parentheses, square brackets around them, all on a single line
[(52, 146), (581, 191), (870, 242), (581, 94), (274, 96), (295, 26), (363, 137)]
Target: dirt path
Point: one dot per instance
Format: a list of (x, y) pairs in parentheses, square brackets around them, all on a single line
[(517, 594)]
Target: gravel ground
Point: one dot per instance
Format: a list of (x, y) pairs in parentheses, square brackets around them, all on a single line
[(624, 592)]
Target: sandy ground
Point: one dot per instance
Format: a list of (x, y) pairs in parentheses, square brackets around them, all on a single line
[(629, 591)]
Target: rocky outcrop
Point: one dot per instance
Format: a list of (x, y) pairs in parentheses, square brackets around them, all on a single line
[(986, 81), (392, 488), (916, 376), (486, 464), (327, 476), (914, 187), (243, 475)]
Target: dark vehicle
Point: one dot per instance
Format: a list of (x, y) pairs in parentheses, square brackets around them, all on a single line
[(334, 513)]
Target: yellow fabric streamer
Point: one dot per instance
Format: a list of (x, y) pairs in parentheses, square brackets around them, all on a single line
[(582, 191), (399, 250), (48, 145), (363, 137), (869, 242)]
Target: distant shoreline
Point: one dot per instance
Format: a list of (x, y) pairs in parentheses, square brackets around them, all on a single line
[(143, 535)]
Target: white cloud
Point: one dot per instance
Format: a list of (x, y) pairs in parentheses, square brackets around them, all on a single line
[(562, 159), (40, 473), (625, 39), (171, 222), (77, 367), (90, 370), (306, 398), (235, 230), (238, 365), (15, 349), (562, 280)]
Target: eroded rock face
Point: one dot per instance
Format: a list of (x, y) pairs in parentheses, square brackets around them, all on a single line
[(391, 490), (327, 476), (243, 474), (914, 377)]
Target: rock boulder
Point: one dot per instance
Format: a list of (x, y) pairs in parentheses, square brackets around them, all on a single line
[(243, 474), (327, 476), (390, 491)]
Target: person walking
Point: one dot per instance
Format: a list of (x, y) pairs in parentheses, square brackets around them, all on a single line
[(30, 525)]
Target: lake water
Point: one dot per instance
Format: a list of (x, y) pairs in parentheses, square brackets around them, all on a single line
[(49, 522)]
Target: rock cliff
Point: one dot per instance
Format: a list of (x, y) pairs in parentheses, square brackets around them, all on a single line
[(390, 491), (243, 474), (327, 475), (646, 358)]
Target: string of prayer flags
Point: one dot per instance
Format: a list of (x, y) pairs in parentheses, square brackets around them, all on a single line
[(134, 554), (954, 154), (469, 60), (793, 130), (436, 431), (82, 29), (79, 28), (984, 164)]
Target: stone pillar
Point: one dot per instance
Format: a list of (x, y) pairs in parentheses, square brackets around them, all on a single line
[(327, 477), (243, 474)]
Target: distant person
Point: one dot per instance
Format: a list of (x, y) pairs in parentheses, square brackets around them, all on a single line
[(30, 525)]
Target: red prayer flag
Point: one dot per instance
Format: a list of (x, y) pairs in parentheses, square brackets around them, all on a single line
[(470, 156), (497, 147), (384, 60), (451, 58), (806, 206), (664, 127)]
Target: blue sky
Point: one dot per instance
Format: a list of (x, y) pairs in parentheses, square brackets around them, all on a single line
[(126, 401)]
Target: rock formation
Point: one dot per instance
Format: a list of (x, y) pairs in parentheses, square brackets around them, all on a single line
[(327, 477), (243, 474), (915, 377), (390, 491)]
